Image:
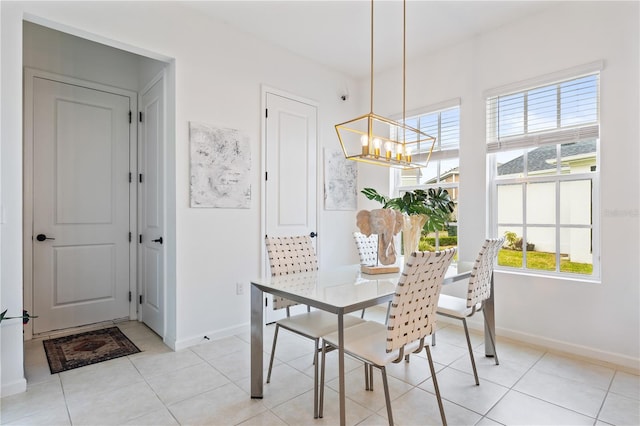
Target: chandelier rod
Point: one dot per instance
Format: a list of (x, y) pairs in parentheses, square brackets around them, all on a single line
[(404, 59), (371, 89)]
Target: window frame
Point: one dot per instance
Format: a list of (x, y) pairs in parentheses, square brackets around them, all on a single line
[(438, 155), (525, 145)]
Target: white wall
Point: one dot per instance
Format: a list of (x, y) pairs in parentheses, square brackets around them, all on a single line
[(598, 320), (54, 51), (218, 74)]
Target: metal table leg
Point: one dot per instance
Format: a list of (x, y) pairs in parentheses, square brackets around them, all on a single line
[(490, 323), (343, 416), (256, 342)]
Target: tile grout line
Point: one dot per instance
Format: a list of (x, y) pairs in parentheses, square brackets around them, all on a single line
[(511, 388), (606, 395), (595, 419)]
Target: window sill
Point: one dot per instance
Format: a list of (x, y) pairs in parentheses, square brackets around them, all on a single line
[(565, 278)]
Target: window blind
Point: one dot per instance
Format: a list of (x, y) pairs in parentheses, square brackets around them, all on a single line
[(562, 112), (445, 126)]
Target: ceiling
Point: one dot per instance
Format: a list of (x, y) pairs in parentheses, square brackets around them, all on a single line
[(337, 33)]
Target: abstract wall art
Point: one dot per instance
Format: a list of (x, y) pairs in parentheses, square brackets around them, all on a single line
[(220, 167), (340, 181)]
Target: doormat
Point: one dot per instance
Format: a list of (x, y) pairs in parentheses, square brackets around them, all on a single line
[(69, 352)]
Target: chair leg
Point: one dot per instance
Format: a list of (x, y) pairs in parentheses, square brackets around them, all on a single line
[(370, 377), (386, 319), (473, 361), (366, 377), (362, 314), (435, 385), (433, 336), (492, 338), (315, 378), (273, 351), (387, 398), (321, 396)]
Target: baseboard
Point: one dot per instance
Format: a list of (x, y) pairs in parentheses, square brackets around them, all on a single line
[(170, 341), (598, 356), (18, 386), (594, 355), (211, 335)]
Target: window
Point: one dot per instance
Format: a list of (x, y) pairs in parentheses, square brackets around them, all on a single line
[(442, 169), (543, 145)]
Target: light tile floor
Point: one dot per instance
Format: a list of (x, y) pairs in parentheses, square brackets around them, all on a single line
[(208, 384)]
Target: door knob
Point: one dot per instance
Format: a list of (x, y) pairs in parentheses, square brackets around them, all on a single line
[(313, 234), (159, 240), (42, 237)]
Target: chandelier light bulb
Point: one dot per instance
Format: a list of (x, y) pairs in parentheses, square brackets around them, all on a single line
[(364, 140), (388, 150)]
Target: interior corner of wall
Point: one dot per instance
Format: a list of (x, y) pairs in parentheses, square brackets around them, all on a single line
[(15, 387)]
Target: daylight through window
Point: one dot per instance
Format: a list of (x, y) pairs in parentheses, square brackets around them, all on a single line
[(543, 158), (442, 171)]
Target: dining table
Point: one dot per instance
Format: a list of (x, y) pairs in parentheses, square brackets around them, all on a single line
[(340, 290)]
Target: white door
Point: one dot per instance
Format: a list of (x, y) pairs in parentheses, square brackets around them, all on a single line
[(151, 213), (80, 205), (291, 182)]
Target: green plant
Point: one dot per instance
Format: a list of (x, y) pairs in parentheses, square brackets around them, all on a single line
[(25, 316), (515, 243), (511, 238), (425, 246), (444, 241), (436, 204)]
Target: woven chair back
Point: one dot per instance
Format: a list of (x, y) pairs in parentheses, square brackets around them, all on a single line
[(290, 255), (367, 248), (412, 315), (480, 281)]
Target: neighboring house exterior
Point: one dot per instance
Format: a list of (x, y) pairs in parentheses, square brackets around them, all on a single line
[(576, 158)]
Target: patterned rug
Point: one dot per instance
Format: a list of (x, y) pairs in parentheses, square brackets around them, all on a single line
[(69, 352)]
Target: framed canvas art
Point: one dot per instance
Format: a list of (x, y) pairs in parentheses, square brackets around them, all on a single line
[(220, 167), (340, 181)]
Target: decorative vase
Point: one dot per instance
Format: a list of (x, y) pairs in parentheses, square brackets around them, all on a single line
[(411, 232)]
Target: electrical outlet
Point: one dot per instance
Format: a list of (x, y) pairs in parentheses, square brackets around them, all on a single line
[(239, 288)]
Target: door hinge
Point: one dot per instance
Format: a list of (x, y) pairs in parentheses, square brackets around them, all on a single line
[(141, 299), (265, 302), (266, 175), (129, 296), (140, 178), (130, 114), (130, 236), (140, 238), (140, 116), (266, 113), (130, 177)]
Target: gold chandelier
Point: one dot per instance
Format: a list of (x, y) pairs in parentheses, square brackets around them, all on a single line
[(374, 139)]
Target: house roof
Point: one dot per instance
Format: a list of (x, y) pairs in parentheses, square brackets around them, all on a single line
[(543, 158)]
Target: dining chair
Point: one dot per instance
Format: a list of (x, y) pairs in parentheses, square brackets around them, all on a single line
[(478, 291), (367, 248), (294, 255), (412, 318), (368, 252)]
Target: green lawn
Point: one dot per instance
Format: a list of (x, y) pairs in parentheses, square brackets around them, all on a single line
[(541, 261)]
